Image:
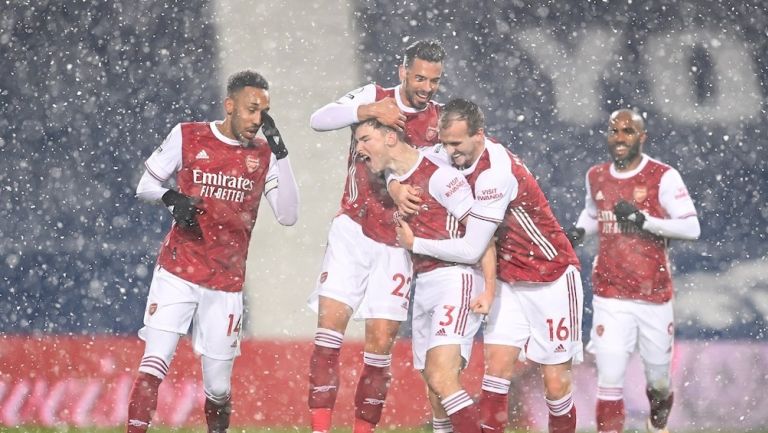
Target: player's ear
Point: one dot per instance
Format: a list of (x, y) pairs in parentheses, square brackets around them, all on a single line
[(401, 72), (229, 105)]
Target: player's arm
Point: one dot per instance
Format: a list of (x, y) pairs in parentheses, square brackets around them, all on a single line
[(164, 162), (482, 304), (586, 225), (282, 192), (481, 225), (682, 223), (343, 112)]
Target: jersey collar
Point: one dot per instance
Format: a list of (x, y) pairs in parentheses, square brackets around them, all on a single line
[(628, 174)]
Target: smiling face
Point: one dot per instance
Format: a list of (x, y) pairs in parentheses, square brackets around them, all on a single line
[(462, 148), (420, 82), (244, 109), (372, 146), (626, 136)]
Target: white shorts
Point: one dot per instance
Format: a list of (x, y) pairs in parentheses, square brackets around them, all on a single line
[(626, 325), (542, 319), (216, 317), (441, 314), (374, 279)]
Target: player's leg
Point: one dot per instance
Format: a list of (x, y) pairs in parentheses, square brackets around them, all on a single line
[(338, 292), (384, 306), (500, 361), (217, 386), (373, 385), (442, 373), (613, 339), (656, 339), (445, 339), (333, 317), (170, 306), (440, 421), (558, 380), (554, 314), (158, 353), (506, 332), (216, 332)]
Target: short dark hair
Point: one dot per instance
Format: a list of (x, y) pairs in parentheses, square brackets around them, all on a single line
[(462, 109), (246, 78), (373, 122), (430, 50), (633, 113)]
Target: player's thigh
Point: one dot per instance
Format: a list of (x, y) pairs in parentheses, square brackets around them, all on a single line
[(554, 313), (216, 329), (387, 292), (656, 333), (171, 303), (441, 301), (347, 264), (614, 328), (506, 324)]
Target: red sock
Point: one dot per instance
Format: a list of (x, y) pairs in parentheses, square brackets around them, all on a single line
[(370, 395), (610, 415), (565, 423), (494, 414), (324, 386), (143, 402), (466, 420), (217, 416)]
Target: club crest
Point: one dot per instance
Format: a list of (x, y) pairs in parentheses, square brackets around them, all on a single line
[(251, 163), (431, 133), (640, 193)]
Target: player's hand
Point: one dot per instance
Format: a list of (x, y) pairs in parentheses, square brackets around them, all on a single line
[(388, 113), (404, 234), (183, 208), (273, 136), (626, 211), (406, 197), (575, 235), (482, 304)]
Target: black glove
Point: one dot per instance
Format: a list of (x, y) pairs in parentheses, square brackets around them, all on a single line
[(273, 137), (575, 235), (182, 207), (626, 211)]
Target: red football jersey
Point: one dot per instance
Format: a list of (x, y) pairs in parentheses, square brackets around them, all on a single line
[(446, 200), (631, 263), (230, 181), (531, 245), (365, 198)]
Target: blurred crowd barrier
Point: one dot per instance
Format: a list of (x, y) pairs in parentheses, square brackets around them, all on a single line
[(85, 381)]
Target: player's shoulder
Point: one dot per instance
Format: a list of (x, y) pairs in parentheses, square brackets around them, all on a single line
[(656, 164)]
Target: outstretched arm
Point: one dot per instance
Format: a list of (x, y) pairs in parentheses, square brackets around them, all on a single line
[(467, 249)]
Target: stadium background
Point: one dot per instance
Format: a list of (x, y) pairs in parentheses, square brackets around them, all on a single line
[(89, 89)]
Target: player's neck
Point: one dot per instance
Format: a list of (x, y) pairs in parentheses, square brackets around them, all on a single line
[(225, 128), (629, 165), (404, 160)]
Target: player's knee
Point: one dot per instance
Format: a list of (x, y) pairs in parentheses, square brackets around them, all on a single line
[(218, 392), (657, 376), (611, 369)]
